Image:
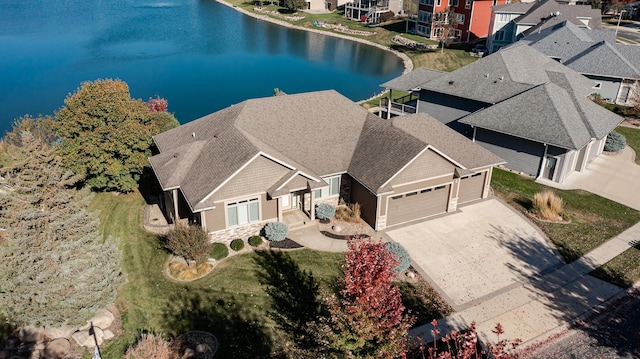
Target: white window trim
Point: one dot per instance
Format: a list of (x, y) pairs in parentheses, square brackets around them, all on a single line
[(234, 204), (328, 188), (460, 18)]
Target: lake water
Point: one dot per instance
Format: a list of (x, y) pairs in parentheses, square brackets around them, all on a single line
[(199, 55)]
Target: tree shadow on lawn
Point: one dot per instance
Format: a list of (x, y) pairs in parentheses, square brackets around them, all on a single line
[(294, 296), (568, 291), (240, 334), (423, 302)]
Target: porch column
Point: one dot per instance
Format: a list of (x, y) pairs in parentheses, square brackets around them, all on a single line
[(312, 209), (543, 162), (176, 217), (279, 203), (389, 104), (203, 220)]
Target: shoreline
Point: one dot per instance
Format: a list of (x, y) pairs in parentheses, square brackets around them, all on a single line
[(406, 61)]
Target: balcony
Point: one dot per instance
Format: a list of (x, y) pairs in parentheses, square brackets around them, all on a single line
[(401, 106)]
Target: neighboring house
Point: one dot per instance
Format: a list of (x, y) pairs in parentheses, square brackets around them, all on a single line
[(319, 5), (236, 169), (511, 22), (614, 68), (472, 17), (522, 105), (370, 11)]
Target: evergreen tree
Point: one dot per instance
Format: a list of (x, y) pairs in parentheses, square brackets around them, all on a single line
[(106, 135), (56, 267)]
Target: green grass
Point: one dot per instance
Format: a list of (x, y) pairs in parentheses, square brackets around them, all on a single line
[(594, 219), (633, 139), (229, 302), (623, 270)]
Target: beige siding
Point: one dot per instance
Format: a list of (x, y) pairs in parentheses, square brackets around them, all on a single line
[(367, 200), (269, 207), (215, 218), (297, 183), (428, 165), (256, 177)]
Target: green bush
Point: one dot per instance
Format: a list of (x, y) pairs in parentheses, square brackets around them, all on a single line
[(237, 244), (255, 241), (615, 142), (218, 251), (325, 211), (400, 254), (276, 231)]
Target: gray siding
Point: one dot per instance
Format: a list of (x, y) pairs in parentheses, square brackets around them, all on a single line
[(609, 87), (521, 155)]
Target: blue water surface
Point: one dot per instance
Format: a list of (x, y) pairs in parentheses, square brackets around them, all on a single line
[(199, 55)]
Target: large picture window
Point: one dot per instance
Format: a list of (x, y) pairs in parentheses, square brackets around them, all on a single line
[(332, 190), (243, 212)]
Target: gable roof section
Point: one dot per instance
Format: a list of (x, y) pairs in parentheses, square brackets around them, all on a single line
[(413, 79), (513, 8), (542, 14), (605, 59), (553, 113), (394, 143)]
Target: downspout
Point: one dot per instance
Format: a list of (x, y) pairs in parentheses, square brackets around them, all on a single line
[(473, 138), (203, 220), (470, 22), (176, 217)]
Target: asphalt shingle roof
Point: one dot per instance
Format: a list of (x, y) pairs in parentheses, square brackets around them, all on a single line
[(415, 78), (543, 14), (319, 134)]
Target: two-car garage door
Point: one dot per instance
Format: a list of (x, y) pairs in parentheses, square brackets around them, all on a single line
[(418, 204)]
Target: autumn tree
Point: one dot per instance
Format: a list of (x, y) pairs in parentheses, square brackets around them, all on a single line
[(368, 319), (56, 267), (105, 135), (446, 24)]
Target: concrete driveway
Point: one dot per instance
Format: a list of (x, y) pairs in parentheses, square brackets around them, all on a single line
[(482, 250), (611, 176)]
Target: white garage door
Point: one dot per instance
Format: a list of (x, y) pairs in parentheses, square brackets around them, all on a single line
[(418, 204)]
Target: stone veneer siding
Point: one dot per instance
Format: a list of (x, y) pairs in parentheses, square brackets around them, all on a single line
[(227, 235)]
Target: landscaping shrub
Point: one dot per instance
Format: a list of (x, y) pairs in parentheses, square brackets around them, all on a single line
[(237, 244), (189, 242), (182, 271), (255, 241), (276, 231), (348, 213), (401, 254), (615, 142), (150, 346), (386, 16), (218, 251), (548, 205), (325, 211)]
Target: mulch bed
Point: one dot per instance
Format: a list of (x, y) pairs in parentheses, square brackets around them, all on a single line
[(286, 244)]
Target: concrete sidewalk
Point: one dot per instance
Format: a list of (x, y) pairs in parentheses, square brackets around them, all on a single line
[(544, 304), (311, 238), (613, 176)]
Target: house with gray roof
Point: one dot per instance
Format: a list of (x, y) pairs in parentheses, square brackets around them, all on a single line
[(527, 108), (264, 159), (511, 22), (614, 68)]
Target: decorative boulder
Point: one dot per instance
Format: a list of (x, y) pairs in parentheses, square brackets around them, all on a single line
[(63, 331), (57, 349), (102, 319), (30, 334)]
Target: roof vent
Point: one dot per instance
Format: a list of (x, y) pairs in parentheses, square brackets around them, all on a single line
[(451, 82), (193, 134), (501, 78), (486, 75)]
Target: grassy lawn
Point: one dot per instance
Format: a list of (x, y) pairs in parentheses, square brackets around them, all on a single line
[(449, 60), (229, 302), (633, 139), (594, 219)]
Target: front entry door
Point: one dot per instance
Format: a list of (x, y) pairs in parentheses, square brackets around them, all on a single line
[(550, 168)]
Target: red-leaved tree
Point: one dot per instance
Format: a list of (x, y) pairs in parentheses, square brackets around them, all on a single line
[(367, 319), (157, 104)]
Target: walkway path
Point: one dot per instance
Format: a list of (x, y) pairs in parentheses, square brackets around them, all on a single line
[(544, 304)]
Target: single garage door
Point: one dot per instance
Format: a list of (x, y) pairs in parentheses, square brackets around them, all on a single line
[(419, 204), (471, 187)]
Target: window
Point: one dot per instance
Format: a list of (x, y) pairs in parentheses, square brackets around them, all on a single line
[(499, 36), (411, 194), (438, 32), (332, 190), (243, 212), (438, 2), (503, 17), (467, 4), (457, 33), (453, 3), (424, 16), (426, 190), (460, 18), (423, 30)]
